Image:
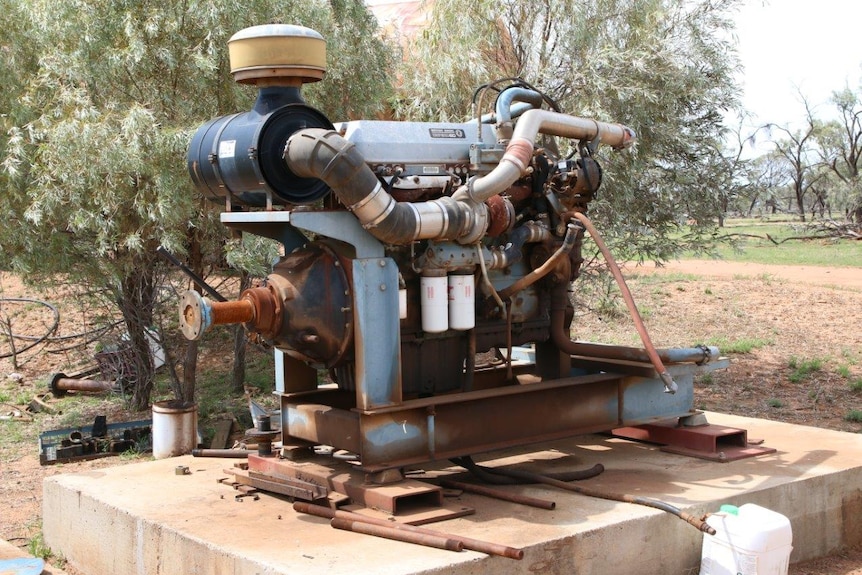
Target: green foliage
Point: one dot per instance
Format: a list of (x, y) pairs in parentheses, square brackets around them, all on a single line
[(103, 98), (853, 416), (766, 241), (774, 402), (37, 548), (803, 369), (742, 345), (856, 384)]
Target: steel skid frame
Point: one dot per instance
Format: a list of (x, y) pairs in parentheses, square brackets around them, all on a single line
[(558, 396)]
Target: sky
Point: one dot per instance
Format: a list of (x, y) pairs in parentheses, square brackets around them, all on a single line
[(793, 46)]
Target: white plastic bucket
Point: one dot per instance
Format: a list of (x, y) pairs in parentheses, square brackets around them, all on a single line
[(752, 541), (175, 428)]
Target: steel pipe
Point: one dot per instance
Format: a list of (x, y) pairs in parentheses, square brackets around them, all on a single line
[(699, 355), (396, 534), (324, 154), (60, 384), (467, 542), (519, 152), (692, 520)]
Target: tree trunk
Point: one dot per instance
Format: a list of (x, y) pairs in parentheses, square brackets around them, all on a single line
[(136, 300), (186, 391), (186, 388), (239, 343)]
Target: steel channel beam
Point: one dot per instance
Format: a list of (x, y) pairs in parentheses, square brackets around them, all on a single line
[(451, 425), (459, 424), (378, 345)]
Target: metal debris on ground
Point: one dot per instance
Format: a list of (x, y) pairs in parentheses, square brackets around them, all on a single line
[(94, 441)]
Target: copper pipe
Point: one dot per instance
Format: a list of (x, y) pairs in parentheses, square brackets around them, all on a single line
[(390, 532), (499, 494), (467, 542)]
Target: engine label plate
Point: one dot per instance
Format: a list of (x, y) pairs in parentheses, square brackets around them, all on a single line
[(449, 133)]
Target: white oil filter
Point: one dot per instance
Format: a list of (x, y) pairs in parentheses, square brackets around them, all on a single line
[(434, 301), (462, 302), (402, 303)]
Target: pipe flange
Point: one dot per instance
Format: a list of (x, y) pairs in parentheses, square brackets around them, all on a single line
[(53, 385)]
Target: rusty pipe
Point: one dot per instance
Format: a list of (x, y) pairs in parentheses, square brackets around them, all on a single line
[(699, 354), (60, 384), (692, 520), (396, 534), (467, 542), (561, 339), (228, 453), (519, 151), (499, 494), (258, 308), (545, 268)]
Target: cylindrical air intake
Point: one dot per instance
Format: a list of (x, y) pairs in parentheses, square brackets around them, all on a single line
[(462, 302), (434, 301), (241, 157)]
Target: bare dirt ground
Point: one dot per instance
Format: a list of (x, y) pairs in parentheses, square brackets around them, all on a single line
[(795, 329)]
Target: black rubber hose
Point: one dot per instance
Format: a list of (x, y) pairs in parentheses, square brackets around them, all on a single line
[(38, 340), (488, 475), (696, 522)]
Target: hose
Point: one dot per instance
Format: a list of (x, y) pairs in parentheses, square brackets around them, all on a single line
[(531, 477), (563, 340), (487, 475), (39, 340), (545, 268)]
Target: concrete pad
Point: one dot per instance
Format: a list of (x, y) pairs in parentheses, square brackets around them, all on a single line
[(143, 519)]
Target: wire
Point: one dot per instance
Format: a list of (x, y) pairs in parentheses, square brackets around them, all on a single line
[(37, 341)]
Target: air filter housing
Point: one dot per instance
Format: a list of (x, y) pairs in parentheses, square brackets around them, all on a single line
[(293, 54), (239, 157)]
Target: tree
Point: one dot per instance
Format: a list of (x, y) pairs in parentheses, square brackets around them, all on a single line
[(663, 67), (799, 150), (841, 145), (95, 164)]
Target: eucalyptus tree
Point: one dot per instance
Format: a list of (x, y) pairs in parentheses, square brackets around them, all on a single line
[(664, 67), (95, 163), (798, 148), (840, 142)]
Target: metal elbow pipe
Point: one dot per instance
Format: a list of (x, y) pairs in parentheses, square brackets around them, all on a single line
[(324, 154), (519, 152), (508, 97)]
